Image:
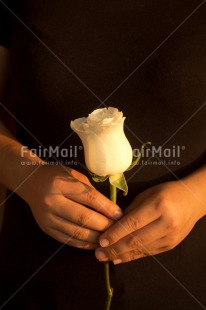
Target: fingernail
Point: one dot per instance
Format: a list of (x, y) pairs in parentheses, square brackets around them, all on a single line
[(104, 243), (117, 261), (118, 215), (100, 255)]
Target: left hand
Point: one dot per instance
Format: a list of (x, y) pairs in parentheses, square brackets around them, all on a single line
[(156, 221)]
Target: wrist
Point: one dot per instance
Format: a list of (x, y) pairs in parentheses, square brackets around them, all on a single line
[(15, 166), (196, 185)]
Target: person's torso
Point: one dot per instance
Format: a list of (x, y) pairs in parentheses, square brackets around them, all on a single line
[(76, 54)]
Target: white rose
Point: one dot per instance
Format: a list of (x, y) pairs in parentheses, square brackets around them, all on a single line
[(106, 148)]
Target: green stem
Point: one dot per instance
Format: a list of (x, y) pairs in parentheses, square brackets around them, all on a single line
[(108, 286), (113, 197), (113, 193)]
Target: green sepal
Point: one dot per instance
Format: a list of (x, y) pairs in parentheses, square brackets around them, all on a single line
[(97, 178), (135, 162), (119, 181)]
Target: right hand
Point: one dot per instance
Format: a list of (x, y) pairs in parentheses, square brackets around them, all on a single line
[(58, 197)]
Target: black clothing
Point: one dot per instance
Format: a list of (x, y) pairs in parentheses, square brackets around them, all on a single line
[(102, 42)]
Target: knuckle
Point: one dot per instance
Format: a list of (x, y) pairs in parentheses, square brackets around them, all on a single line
[(140, 254), (112, 253), (131, 223), (162, 203), (137, 254), (134, 255), (135, 243), (77, 175), (171, 243), (83, 218), (55, 183), (80, 176), (85, 179), (172, 224), (168, 213), (47, 201), (105, 224), (79, 234), (91, 195)]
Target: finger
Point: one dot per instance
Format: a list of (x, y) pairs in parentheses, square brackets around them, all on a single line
[(90, 197), (148, 250), (75, 231), (134, 241), (134, 220), (81, 216), (161, 245), (79, 176), (135, 254), (68, 240)]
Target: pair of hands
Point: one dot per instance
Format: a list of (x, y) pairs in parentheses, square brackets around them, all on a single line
[(68, 208)]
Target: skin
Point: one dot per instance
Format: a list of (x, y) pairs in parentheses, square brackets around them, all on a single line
[(156, 221), (59, 198), (63, 202)]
